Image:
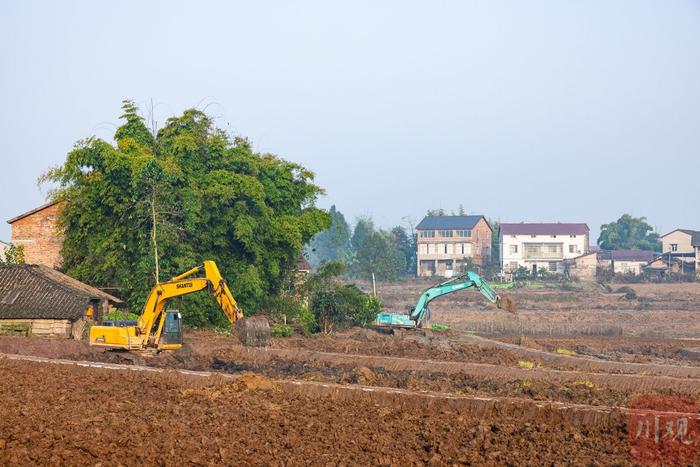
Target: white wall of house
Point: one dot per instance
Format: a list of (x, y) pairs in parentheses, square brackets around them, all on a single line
[(629, 267), (542, 251), (3, 246), (676, 242)]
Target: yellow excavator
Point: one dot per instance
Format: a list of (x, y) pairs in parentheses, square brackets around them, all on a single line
[(159, 328)]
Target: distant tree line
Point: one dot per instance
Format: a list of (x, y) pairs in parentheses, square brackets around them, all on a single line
[(386, 254)]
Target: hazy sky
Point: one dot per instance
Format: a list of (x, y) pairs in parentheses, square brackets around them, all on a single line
[(573, 111)]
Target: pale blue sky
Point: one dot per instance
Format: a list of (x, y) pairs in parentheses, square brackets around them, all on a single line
[(555, 110)]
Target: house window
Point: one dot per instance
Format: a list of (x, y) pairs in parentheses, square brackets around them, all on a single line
[(533, 236), (464, 233), (513, 266), (513, 249), (445, 233), (552, 266), (513, 236), (554, 236), (674, 246), (423, 248), (448, 248), (572, 248), (572, 236), (427, 234)]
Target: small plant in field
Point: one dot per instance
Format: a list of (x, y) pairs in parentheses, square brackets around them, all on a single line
[(439, 327), (223, 331), (281, 330), (563, 351), (588, 384), (525, 364)]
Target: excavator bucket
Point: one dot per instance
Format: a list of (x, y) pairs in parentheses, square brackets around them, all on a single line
[(506, 303), (253, 331)]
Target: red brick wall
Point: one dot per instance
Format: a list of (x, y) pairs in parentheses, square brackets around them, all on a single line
[(481, 242), (39, 236)]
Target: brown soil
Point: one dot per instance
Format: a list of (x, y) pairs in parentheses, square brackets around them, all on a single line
[(66, 415)]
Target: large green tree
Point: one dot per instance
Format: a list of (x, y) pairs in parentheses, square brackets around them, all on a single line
[(333, 244), (376, 253), (628, 233), (187, 193)]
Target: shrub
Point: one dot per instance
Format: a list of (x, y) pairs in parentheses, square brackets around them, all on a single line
[(281, 330), (120, 315), (367, 313)]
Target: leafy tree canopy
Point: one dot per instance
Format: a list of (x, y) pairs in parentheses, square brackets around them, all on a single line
[(195, 194), (377, 253), (628, 233), (333, 244)]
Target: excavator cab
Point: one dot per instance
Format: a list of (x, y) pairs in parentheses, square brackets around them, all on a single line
[(172, 328)]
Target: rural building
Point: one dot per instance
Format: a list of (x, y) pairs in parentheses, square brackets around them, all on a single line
[(37, 232), (583, 267), (537, 246), (3, 246), (695, 242), (444, 242), (37, 300), (678, 241), (625, 261)]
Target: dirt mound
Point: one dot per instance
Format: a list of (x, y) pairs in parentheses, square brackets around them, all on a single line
[(253, 331), (253, 381)]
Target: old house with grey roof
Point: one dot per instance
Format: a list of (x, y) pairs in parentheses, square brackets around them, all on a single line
[(37, 300), (445, 242)]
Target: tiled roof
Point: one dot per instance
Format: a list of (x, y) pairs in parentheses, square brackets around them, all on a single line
[(35, 292), (685, 231), (557, 228), (627, 255), (448, 222)]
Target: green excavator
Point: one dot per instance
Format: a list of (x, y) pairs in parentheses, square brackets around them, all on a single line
[(420, 314)]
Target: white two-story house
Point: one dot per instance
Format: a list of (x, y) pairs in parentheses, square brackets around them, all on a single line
[(537, 246)]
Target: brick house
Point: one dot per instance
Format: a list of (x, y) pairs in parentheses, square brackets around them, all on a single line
[(37, 232), (37, 300), (444, 242), (542, 245)]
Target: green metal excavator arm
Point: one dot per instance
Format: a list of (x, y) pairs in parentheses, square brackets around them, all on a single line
[(421, 311)]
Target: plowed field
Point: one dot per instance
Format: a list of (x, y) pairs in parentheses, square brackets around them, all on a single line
[(611, 382)]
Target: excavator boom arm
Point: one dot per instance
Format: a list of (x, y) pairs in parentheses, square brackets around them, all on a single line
[(183, 285), (419, 312)]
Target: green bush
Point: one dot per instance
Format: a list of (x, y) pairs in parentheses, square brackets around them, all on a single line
[(367, 313), (281, 330), (307, 321), (120, 315)]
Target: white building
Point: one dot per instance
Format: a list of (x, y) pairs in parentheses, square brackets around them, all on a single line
[(678, 241), (537, 246), (3, 246)]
